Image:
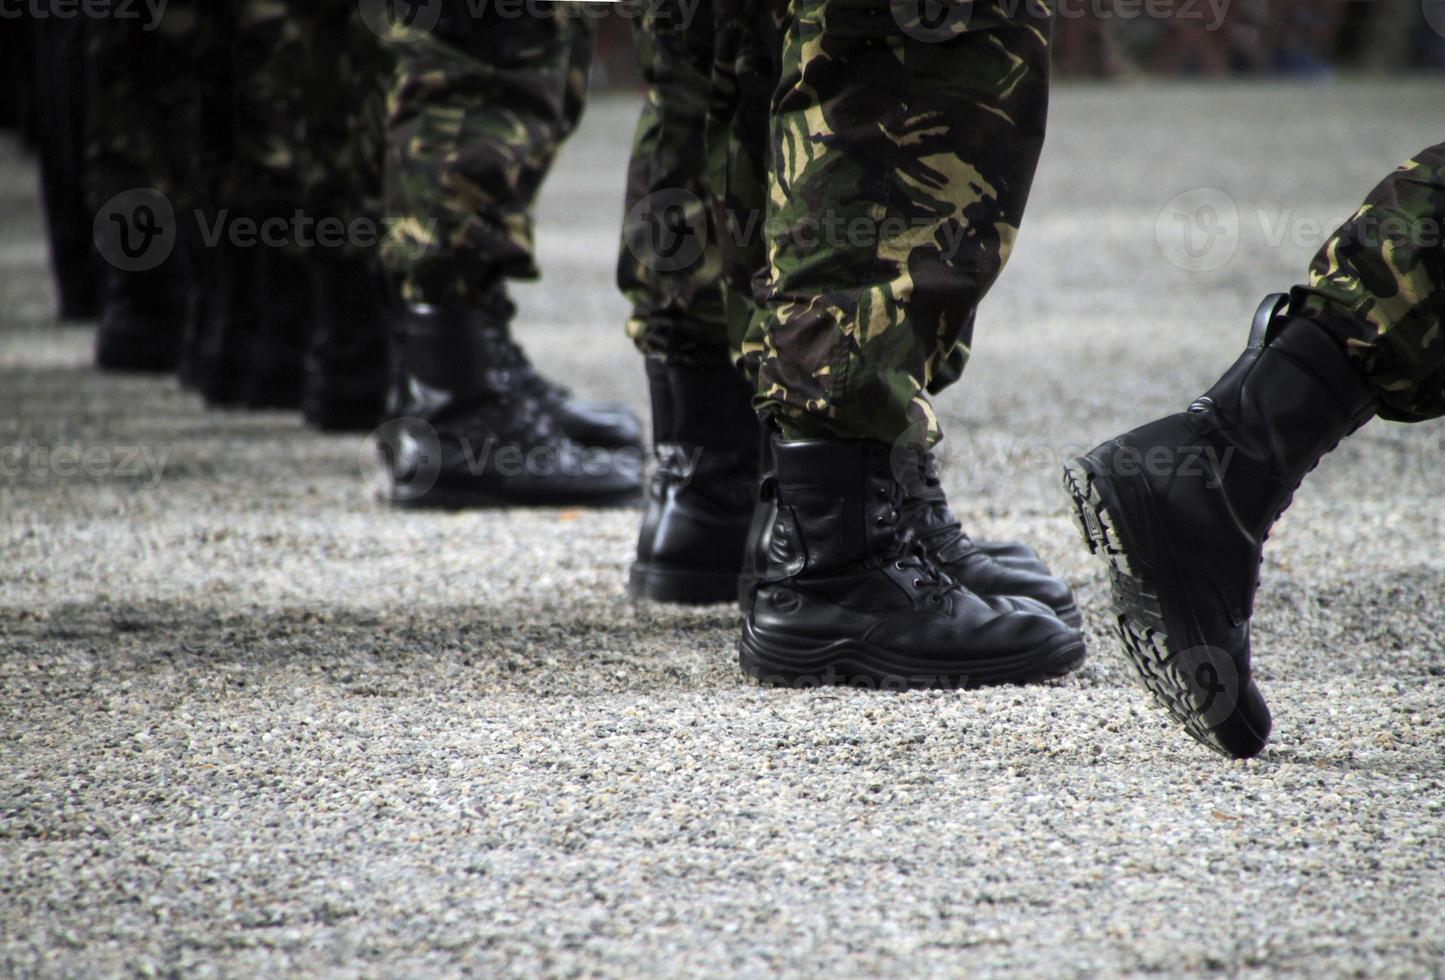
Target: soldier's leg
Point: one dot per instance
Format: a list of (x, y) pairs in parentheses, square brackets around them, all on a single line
[(670, 268), (478, 109), (142, 135), (899, 163), (899, 184), (1378, 287), (59, 53), (262, 315), (346, 367), (705, 433), (1180, 507)]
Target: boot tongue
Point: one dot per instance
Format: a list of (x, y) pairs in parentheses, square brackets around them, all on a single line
[(937, 528), (925, 510)]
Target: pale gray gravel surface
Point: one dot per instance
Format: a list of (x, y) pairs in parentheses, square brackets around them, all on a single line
[(253, 722)]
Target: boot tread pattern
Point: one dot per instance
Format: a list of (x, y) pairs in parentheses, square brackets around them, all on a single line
[(1138, 618)]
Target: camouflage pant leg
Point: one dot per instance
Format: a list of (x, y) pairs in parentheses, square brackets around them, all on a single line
[(1378, 285), (267, 87), (477, 111), (745, 73), (298, 106), (143, 105), (901, 162), (344, 139), (669, 266)]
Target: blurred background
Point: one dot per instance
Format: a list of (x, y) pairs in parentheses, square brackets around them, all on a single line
[(1104, 39), (1124, 39)]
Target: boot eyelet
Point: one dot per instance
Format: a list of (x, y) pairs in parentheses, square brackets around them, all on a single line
[(898, 565), (879, 520), (935, 600), (918, 583)]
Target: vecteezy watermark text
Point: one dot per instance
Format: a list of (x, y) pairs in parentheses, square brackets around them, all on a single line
[(1202, 229), (137, 230), (88, 9), (72, 461), (669, 230)]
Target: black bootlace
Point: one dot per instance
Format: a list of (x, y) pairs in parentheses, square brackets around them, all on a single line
[(504, 353), (909, 552), (923, 508)]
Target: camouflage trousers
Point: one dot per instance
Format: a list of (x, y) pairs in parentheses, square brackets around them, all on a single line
[(247, 105), (478, 107), (867, 168), (1378, 285), (670, 264), (145, 99)]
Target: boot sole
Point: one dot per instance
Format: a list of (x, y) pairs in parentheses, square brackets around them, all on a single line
[(1166, 666), (780, 660), (1070, 615), (681, 586)]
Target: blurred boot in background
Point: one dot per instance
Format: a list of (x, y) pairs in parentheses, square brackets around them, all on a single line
[(142, 134), (58, 90), (478, 109)]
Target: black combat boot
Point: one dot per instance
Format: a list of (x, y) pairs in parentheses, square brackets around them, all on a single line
[(925, 510), (848, 596), (1179, 510), (140, 321), (469, 431), (227, 324), (249, 332), (347, 362), (195, 305), (700, 501), (283, 323), (604, 424), (609, 425), (997, 567)]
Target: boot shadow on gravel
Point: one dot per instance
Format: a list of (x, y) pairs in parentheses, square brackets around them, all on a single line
[(463, 651)]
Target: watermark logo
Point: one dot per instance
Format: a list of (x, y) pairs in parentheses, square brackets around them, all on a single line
[(667, 231), (410, 453), (401, 21), (1210, 676), (1434, 11), (152, 10), (135, 231), (1198, 231), (932, 21), (143, 464)]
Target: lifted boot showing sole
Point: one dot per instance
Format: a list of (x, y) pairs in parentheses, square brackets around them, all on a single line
[(1179, 510)]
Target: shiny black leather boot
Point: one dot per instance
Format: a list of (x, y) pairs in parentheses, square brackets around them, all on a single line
[(848, 596), (985, 567), (700, 500), (347, 362), (926, 511), (1179, 510), (468, 429), (610, 425), (141, 316)]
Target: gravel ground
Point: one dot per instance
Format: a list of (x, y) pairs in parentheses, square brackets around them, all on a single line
[(252, 722)]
